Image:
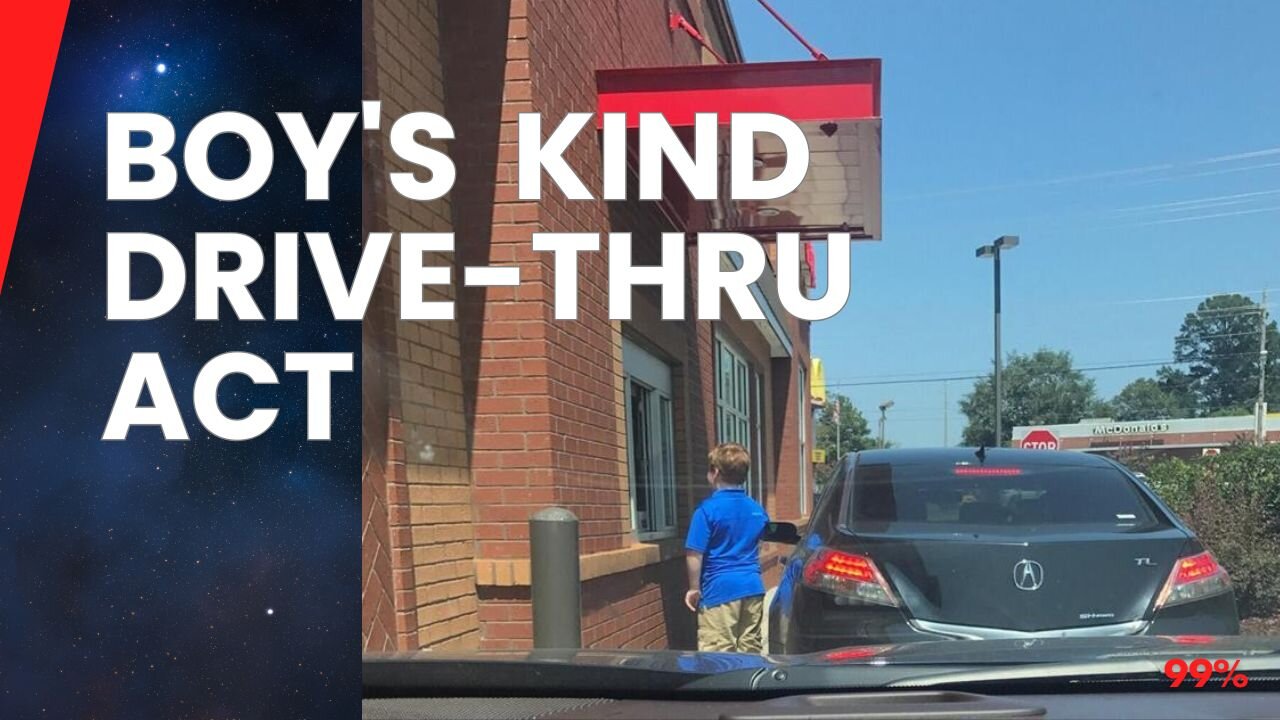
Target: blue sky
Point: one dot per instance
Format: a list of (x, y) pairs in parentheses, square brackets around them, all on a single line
[(1134, 147)]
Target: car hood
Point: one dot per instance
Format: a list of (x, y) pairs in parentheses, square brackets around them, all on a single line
[(1043, 650), (939, 653)]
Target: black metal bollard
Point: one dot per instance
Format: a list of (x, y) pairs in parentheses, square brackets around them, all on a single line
[(556, 589)]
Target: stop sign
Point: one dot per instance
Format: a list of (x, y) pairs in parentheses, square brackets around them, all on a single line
[(1040, 440)]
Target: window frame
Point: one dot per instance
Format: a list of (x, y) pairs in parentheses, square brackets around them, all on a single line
[(645, 370), (803, 438), (740, 411)]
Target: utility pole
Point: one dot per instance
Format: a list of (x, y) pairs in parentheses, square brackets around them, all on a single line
[(1260, 409)]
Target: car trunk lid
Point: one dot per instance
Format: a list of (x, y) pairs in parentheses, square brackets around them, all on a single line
[(1023, 582)]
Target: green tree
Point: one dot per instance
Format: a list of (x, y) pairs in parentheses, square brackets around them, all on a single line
[(1145, 399), (1039, 389), (855, 433), (1218, 345), (1101, 409), (1177, 384), (1230, 411)]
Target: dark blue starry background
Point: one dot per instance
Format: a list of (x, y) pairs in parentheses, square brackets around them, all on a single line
[(156, 579)]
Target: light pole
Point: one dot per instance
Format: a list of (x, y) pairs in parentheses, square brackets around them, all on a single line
[(883, 407), (1004, 242), (836, 412), (1260, 408)]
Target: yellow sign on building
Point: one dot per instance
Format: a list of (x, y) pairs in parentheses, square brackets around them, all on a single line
[(817, 383), (819, 456)]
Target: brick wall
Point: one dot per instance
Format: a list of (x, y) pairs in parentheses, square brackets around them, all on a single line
[(545, 402), (639, 609), (424, 469), (478, 423), (377, 593), (568, 42)]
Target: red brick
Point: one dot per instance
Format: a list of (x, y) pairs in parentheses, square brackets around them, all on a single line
[(511, 111), (519, 386), (494, 613), (518, 49), (524, 212), (490, 531), (499, 367), (512, 233), (529, 495), (483, 496), (509, 513), (515, 311), (524, 423), (507, 192), (506, 548), (500, 405), (500, 477), (501, 441)]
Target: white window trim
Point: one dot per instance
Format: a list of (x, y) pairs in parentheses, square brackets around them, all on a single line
[(644, 369), (752, 422)]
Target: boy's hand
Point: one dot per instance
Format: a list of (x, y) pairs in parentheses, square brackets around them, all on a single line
[(691, 600)]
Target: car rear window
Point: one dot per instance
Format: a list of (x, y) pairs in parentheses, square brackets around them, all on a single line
[(963, 496)]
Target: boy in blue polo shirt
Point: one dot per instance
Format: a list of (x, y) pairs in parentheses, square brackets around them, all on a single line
[(722, 555)]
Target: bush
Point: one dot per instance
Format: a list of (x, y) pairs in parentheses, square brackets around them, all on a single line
[(1231, 502), (1175, 482), (1240, 535), (1251, 474)]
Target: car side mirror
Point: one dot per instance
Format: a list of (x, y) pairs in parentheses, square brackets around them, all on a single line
[(782, 532)]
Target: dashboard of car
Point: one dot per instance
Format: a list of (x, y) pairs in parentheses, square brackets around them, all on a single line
[(887, 705)]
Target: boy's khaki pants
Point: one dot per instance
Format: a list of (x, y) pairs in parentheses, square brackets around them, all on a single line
[(731, 627)]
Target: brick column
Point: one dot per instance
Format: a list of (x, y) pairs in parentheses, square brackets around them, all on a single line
[(414, 396)]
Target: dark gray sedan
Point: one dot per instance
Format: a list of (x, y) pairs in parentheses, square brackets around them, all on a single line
[(909, 545)]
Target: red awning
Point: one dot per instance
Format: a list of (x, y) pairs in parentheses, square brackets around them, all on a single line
[(835, 102)]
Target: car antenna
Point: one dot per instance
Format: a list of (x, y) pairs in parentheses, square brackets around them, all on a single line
[(982, 453)]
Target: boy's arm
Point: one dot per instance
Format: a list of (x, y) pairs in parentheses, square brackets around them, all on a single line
[(695, 545), (693, 566)]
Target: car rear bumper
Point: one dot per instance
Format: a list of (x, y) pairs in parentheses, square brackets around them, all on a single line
[(1216, 615), (906, 631), (828, 629), (966, 632)]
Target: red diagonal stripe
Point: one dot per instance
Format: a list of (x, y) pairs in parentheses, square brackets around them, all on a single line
[(30, 31)]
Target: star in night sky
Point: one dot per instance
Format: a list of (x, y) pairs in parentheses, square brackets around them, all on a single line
[(146, 578)]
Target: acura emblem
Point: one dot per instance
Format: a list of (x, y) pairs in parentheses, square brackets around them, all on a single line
[(1028, 575)]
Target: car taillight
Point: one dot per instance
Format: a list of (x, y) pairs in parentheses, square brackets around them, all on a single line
[(1193, 578), (848, 576)]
